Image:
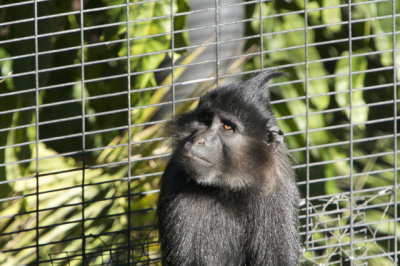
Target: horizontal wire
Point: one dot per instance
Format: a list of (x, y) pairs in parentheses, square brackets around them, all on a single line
[(17, 4), (327, 162)]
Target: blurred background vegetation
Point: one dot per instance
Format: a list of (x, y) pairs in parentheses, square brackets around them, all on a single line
[(334, 145)]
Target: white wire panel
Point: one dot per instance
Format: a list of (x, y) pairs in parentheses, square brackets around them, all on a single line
[(86, 88)]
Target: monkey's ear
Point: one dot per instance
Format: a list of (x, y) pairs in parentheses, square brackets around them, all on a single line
[(274, 136), (261, 80)]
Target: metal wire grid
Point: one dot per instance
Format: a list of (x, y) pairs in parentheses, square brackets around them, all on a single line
[(316, 230)]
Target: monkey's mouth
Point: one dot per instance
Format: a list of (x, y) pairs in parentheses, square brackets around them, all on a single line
[(198, 159)]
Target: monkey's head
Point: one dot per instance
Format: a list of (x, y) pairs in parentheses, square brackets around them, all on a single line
[(231, 139)]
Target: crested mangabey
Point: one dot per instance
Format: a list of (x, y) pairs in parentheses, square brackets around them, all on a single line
[(228, 195)]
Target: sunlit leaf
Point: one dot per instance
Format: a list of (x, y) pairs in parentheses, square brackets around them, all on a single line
[(359, 112)]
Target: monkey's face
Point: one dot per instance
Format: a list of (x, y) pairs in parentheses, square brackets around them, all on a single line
[(217, 149)]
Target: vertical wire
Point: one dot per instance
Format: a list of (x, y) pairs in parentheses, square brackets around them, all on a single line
[(395, 184), (37, 126), (261, 37), (307, 124), (351, 133), (172, 18), (82, 36), (128, 55), (217, 40)]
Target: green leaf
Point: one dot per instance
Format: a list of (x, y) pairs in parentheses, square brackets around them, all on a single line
[(342, 85), (149, 51), (383, 227), (315, 69), (331, 15)]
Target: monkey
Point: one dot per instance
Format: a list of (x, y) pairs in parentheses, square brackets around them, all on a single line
[(229, 195)]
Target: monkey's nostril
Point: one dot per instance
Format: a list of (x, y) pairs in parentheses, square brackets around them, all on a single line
[(200, 141)]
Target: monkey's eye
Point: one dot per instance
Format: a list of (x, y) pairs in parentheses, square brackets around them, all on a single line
[(227, 127)]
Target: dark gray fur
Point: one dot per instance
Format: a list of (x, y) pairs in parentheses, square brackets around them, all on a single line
[(243, 208)]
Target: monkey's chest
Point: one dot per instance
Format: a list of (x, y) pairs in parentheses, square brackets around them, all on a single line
[(212, 229)]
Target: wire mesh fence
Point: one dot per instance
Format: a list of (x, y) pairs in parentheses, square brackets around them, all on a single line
[(86, 87)]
